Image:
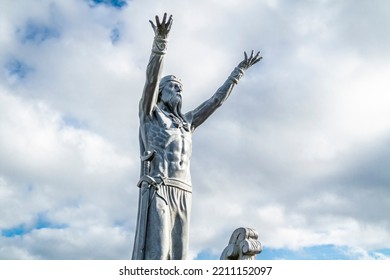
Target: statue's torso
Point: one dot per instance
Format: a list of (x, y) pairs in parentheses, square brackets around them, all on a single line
[(172, 144)]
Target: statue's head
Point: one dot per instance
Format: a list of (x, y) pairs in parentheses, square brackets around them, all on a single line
[(169, 91)]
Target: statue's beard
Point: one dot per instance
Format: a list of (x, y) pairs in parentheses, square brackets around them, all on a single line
[(175, 105), (176, 109)]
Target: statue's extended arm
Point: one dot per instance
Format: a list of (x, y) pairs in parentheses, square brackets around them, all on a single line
[(207, 108), (153, 70)]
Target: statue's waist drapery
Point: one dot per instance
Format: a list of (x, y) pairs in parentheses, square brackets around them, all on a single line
[(170, 182)]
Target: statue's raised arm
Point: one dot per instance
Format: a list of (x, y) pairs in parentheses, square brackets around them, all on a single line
[(207, 108), (153, 72)]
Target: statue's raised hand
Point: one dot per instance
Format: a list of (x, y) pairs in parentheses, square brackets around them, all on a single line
[(249, 61), (161, 29)]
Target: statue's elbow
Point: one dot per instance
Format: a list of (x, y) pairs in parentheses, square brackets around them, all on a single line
[(218, 100)]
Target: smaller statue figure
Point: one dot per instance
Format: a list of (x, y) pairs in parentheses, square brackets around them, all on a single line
[(243, 245)]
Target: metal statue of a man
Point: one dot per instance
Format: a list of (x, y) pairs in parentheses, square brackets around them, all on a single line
[(165, 145)]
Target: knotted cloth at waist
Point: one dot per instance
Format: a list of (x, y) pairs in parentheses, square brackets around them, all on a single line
[(170, 182)]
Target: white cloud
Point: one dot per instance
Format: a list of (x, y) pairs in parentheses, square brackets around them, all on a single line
[(48, 167)]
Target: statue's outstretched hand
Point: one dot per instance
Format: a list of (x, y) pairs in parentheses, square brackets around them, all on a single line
[(161, 29), (248, 62)]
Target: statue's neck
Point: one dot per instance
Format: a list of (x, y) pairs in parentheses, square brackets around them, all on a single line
[(175, 115), (170, 110)]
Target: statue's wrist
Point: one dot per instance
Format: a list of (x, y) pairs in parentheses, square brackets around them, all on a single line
[(236, 75), (159, 45)]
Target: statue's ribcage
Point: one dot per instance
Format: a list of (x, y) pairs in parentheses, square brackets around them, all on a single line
[(159, 138), (167, 139)]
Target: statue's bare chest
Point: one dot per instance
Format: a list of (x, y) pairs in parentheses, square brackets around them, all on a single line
[(164, 133)]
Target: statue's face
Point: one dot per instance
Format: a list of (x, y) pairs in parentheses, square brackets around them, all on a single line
[(171, 93)]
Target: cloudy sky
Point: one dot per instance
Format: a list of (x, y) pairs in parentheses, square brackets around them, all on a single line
[(300, 151)]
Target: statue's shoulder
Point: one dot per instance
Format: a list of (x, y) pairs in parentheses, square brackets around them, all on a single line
[(148, 118), (189, 118), (155, 121)]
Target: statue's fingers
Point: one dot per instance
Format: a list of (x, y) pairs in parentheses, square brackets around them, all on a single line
[(246, 56), (251, 55), (153, 26), (158, 21), (258, 59), (170, 20), (164, 19)]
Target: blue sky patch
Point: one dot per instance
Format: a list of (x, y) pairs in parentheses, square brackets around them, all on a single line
[(34, 32), (384, 251), (115, 35), (72, 121), (15, 231), (41, 222), (119, 4), (207, 255), (17, 68), (321, 252)]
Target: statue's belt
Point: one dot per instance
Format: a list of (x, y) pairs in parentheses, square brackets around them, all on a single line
[(170, 182)]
